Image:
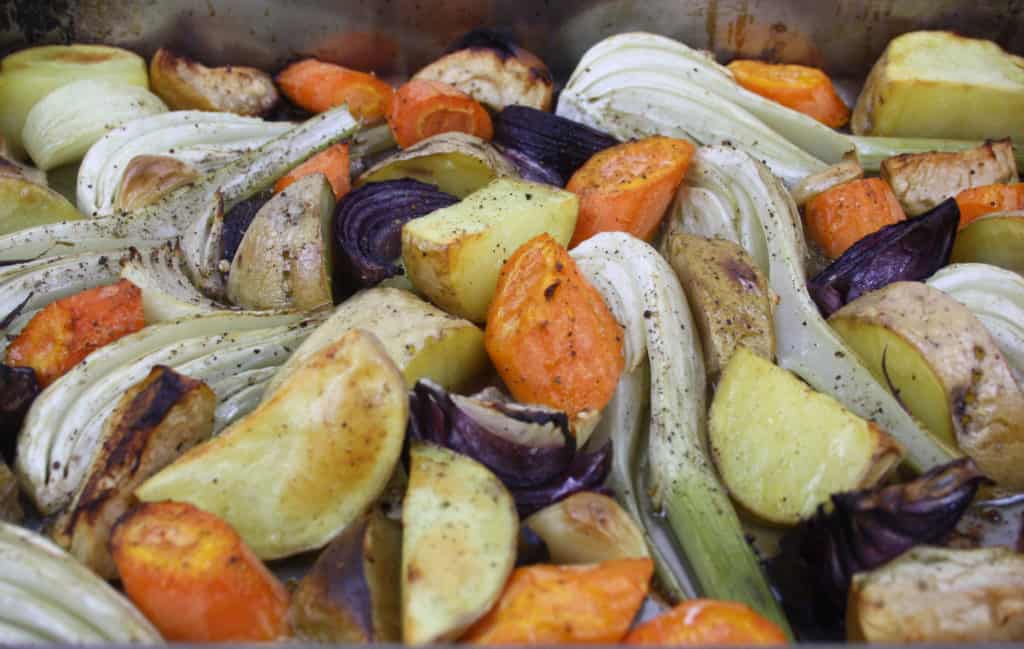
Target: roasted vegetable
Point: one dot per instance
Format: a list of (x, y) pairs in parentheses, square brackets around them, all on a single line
[(705, 622), (368, 229), (31, 74), (189, 85), (554, 142), (995, 239), (318, 87), (939, 84), (946, 369), (728, 296), (167, 294), (18, 389), (457, 163), (802, 88), (588, 527), (422, 109), (837, 174), (154, 422), (62, 126), (298, 501), (333, 162), (10, 506), (907, 251), (530, 168), (546, 605), (48, 597), (284, 260), (352, 593), (237, 222), (458, 544), (493, 70), (454, 255), (989, 199), (782, 449), (937, 595), (922, 181), (25, 204), (840, 217), (148, 178), (195, 578), (422, 340)]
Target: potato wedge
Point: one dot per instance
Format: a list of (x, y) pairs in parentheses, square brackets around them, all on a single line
[(189, 85), (458, 163), (782, 449), (945, 368), (424, 341), (728, 296), (588, 527), (148, 178), (10, 507), (459, 537), (996, 239), (284, 260), (923, 180), (938, 84), (155, 422), (352, 594), (939, 596), (24, 204), (454, 255), (308, 461)]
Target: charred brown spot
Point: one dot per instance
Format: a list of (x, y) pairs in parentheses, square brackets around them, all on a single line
[(549, 292), (741, 274)]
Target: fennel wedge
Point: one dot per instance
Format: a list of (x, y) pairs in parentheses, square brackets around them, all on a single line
[(642, 291)]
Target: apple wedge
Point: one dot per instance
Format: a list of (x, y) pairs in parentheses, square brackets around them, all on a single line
[(940, 361), (309, 460), (460, 530)]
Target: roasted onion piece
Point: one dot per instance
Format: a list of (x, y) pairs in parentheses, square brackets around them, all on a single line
[(18, 389), (532, 170), (554, 142)]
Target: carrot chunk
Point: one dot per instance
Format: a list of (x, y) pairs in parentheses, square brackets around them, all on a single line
[(332, 162), (423, 108), (317, 87), (843, 215), (66, 331), (195, 579), (628, 187), (707, 622), (804, 89), (979, 201), (550, 605), (550, 334)]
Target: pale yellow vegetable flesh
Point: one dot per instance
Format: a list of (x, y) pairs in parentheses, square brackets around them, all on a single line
[(997, 239), (454, 255), (24, 204), (946, 369), (308, 460), (588, 527), (782, 449)]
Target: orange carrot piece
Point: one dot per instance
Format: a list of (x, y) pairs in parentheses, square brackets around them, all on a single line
[(317, 87), (332, 162), (549, 605), (549, 333), (843, 215), (66, 331), (804, 89), (423, 108), (628, 187), (707, 622), (191, 574), (979, 201)]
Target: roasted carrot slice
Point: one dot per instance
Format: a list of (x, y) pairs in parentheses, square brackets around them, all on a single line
[(628, 187), (550, 334), (550, 605), (332, 162), (191, 574), (317, 87), (804, 89), (707, 622), (979, 201), (843, 215), (66, 331), (423, 108)]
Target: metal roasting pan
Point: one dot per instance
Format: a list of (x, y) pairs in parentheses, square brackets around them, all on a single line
[(397, 37)]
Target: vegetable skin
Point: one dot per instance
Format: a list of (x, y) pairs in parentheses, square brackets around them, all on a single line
[(987, 199), (802, 88), (318, 87), (704, 622), (423, 108)]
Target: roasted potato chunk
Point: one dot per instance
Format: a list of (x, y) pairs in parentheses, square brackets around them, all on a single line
[(156, 421), (185, 84), (25, 204), (923, 180)]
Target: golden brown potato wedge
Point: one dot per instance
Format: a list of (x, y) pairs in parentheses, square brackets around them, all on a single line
[(728, 295), (154, 423), (10, 507), (943, 365), (185, 84), (588, 527), (147, 178), (24, 204), (352, 594)]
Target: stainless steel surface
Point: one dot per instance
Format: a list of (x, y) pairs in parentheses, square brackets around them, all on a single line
[(399, 36)]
